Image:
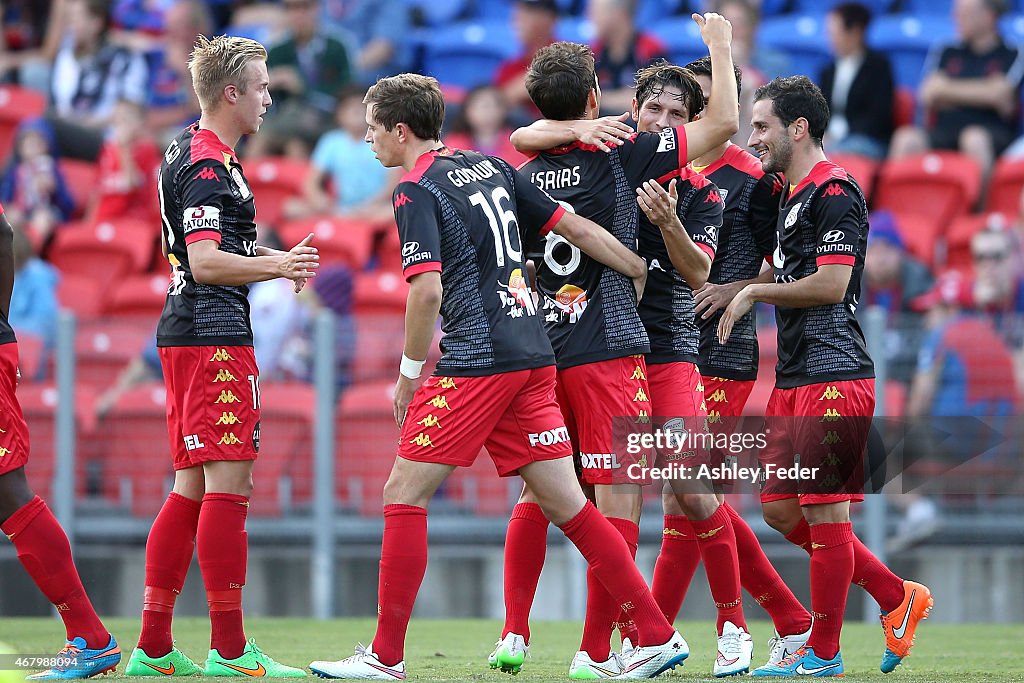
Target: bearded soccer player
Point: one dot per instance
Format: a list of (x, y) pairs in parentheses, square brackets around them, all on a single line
[(460, 215), (596, 385), (38, 538), (205, 344), (824, 388)]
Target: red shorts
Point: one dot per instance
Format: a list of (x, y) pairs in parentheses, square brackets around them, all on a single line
[(513, 414), (603, 403), (827, 424), (726, 397), (213, 403), (677, 397), (13, 430)]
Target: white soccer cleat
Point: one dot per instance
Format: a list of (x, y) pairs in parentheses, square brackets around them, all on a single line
[(627, 648), (585, 668), (780, 647), (363, 665), (735, 647), (509, 654), (648, 661)]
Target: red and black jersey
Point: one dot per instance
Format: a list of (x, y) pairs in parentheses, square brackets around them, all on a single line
[(823, 220), (747, 238), (589, 310), (204, 196), (460, 213), (667, 309), (6, 331)]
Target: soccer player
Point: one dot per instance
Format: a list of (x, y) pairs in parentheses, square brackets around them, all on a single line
[(459, 216), (824, 375), (590, 350), (205, 342), (38, 538)]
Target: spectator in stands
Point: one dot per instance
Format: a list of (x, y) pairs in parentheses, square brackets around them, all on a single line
[(90, 75), (32, 190), (34, 299), (128, 164), (970, 90), (379, 32), (858, 86), (172, 103), (139, 25), (306, 70), (893, 279), (998, 287), (482, 125), (28, 41), (620, 50), (358, 185), (534, 24)]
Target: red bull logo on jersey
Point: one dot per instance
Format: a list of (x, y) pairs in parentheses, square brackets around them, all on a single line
[(550, 437), (571, 301), (200, 218), (516, 296)]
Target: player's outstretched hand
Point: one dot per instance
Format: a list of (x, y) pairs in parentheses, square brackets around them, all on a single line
[(403, 396), (711, 298), (715, 30), (739, 307), (657, 204), (606, 133), (300, 263)]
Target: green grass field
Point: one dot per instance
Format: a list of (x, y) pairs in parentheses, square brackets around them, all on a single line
[(457, 649)]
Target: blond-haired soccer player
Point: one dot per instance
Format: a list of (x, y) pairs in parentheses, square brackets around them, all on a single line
[(205, 340)]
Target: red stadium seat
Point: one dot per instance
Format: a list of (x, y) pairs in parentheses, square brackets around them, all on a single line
[(940, 185), (104, 347), (139, 296), (390, 251), (16, 105), (923, 236), (958, 239), (903, 105), (287, 419), (30, 356), (1005, 186), (380, 291), (81, 294), (343, 240), (39, 405), (82, 179), (380, 338), (104, 252), (366, 445), (862, 168), (272, 181), (132, 452)]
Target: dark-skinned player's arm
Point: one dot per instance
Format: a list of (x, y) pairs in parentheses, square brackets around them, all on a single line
[(720, 121)]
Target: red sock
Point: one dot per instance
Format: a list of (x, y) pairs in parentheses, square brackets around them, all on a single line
[(526, 543), (874, 577), (168, 554), (403, 561), (45, 553), (717, 543), (223, 549), (759, 578), (831, 572), (607, 553), (801, 536), (603, 611), (677, 561)]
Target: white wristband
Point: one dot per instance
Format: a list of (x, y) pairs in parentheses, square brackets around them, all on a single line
[(411, 368)]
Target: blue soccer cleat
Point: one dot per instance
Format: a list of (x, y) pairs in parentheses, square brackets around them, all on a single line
[(78, 661), (803, 662)]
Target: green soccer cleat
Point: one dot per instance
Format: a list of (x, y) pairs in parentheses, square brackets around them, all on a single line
[(252, 662), (174, 663), (509, 654)]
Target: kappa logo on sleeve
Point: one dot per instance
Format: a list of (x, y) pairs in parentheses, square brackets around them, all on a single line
[(207, 173), (401, 200), (201, 218)]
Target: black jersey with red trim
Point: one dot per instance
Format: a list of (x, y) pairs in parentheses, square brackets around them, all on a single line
[(204, 196), (460, 213), (747, 238), (667, 309), (589, 310), (823, 220), (6, 331)]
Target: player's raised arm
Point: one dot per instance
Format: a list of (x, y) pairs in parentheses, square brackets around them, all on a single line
[(721, 118)]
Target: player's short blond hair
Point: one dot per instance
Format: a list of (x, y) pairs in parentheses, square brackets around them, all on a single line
[(219, 62)]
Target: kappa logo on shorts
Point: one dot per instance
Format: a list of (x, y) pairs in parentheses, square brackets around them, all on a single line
[(713, 417), (831, 438), (229, 439), (228, 396), (718, 396), (439, 402), (445, 383), (831, 393), (430, 421), (831, 415), (220, 355), (643, 418), (700, 387), (638, 373), (641, 395), (224, 376), (422, 440), (832, 460), (830, 482), (550, 437), (228, 419), (4, 451)]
